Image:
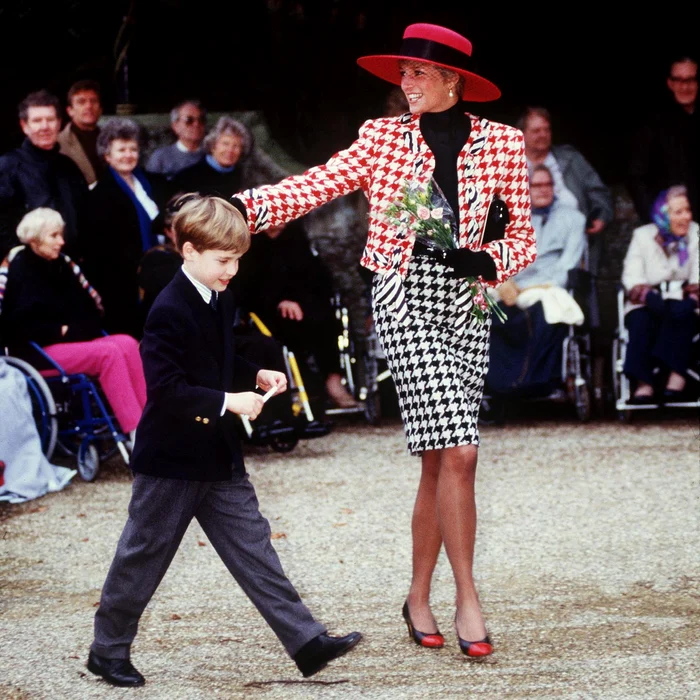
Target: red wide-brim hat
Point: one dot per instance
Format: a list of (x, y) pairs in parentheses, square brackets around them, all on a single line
[(430, 43)]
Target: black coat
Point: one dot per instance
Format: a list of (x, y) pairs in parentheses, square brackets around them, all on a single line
[(41, 296), (202, 178), (282, 268), (113, 249), (32, 177), (190, 361), (158, 266)]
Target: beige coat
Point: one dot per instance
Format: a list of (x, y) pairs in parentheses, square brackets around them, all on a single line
[(71, 147)]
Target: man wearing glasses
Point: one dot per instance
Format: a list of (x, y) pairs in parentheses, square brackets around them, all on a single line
[(188, 120), (665, 149)]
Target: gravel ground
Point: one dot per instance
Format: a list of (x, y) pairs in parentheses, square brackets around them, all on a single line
[(587, 563)]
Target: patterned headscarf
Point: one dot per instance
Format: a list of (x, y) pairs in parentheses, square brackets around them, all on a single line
[(669, 241)]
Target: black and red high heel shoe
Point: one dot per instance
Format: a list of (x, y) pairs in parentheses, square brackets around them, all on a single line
[(434, 640), (476, 649)]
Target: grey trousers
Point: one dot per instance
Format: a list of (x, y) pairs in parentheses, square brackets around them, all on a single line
[(160, 512)]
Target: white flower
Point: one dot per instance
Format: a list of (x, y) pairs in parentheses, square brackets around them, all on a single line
[(436, 213)]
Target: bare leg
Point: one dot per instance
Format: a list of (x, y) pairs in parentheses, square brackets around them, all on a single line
[(426, 543), (676, 382), (644, 389), (456, 506)]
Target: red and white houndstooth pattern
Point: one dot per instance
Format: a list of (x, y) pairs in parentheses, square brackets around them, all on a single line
[(388, 153)]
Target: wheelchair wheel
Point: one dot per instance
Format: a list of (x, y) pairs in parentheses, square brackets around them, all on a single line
[(373, 408), (624, 415), (88, 461), (582, 397), (43, 405), (282, 443)]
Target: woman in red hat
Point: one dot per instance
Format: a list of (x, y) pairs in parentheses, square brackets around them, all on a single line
[(431, 312)]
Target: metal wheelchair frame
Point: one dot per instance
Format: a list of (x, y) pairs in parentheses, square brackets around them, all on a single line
[(54, 394), (620, 381)]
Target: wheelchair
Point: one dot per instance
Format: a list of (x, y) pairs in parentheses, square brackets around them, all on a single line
[(281, 436), (571, 381), (622, 386), (365, 372), (71, 414)]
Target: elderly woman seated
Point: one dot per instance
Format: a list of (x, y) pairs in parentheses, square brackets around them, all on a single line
[(660, 278), (525, 352), (48, 300), (232, 163)]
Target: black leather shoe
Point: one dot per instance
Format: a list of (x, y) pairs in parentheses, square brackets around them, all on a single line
[(643, 400), (115, 671), (316, 654)]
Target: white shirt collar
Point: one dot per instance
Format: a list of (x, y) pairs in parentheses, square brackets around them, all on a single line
[(183, 149), (203, 290)]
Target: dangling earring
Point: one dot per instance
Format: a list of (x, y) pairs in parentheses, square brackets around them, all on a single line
[(451, 93)]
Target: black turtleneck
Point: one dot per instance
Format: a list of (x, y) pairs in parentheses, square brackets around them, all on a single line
[(446, 133)]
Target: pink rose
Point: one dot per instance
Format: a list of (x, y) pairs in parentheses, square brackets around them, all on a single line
[(436, 213), (423, 213), (480, 301)]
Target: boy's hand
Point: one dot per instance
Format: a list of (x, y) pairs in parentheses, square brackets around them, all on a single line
[(246, 403), (269, 379)]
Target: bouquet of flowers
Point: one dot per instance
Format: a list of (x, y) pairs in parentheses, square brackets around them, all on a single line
[(417, 212)]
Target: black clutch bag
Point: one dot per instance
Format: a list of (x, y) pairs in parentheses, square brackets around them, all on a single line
[(496, 221)]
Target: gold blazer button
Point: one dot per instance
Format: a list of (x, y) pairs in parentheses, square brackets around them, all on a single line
[(205, 420), (198, 418)]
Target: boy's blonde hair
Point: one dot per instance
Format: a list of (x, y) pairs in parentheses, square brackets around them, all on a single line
[(209, 223)]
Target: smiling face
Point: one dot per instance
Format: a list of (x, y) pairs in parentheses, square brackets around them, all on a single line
[(227, 149), (679, 215), (85, 109), (426, 88), (123, 156), (213, 268), (41, 126), (48, 245)]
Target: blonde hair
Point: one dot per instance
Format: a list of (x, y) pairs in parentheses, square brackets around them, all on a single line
[(209, 223), (37, 222)]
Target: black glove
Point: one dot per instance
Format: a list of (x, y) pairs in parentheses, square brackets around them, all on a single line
[(470, 263), (240, 206)]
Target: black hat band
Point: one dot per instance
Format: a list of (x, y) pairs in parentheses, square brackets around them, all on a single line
[(433, 51)]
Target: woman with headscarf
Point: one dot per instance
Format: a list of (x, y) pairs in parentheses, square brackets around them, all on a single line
[(431, 314), (660, 277)]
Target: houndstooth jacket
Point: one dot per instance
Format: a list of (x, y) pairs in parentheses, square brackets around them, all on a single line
[(388, 153)]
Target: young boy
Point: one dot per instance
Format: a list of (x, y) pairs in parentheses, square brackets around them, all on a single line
[(187, 460)]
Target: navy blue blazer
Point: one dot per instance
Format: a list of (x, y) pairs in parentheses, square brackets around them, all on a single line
[(189, 361)]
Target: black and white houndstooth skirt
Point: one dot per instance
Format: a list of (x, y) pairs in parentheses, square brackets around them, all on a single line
[(438, 372)]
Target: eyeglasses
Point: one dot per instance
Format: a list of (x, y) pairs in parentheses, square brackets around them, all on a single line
[(683, 81), (188, 121), (539, 185)]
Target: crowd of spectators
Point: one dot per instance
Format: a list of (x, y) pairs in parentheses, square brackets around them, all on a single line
[(111, 200)]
